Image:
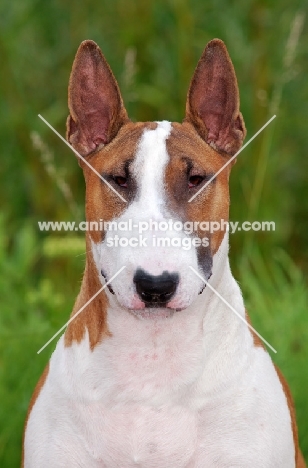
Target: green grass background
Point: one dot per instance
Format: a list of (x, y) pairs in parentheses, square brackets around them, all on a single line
[(152, 47)]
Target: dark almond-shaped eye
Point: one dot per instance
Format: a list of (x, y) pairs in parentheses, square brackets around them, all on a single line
[(195, 180), (121, 181)]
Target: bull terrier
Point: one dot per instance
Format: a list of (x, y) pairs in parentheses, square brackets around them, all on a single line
[(157, 372)]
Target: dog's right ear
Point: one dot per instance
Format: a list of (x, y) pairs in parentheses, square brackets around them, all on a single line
[(95, 103)]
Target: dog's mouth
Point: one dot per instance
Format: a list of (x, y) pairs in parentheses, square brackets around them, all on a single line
[(155, 304), (153, 313)]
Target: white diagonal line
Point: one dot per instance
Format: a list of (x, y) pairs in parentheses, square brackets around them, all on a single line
[(80, 310), (233, 310), (230, 160), (83, 159)]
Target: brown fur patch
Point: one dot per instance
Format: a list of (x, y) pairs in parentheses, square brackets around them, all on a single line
[(212, 204), (94, 317), (34, 397)]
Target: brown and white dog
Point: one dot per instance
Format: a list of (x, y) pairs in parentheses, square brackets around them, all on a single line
[(157, 372)]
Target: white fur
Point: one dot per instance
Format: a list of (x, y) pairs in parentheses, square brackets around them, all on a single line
[(187, 391)]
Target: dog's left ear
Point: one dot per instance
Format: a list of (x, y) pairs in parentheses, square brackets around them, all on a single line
[(95, 103), (213, 100)]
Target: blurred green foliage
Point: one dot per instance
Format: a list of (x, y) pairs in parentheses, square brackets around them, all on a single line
[(152, 47)]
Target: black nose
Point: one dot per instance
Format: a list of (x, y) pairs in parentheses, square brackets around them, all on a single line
[(155, 291)]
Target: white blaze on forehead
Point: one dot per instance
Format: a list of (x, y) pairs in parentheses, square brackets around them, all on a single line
[(149, 165)]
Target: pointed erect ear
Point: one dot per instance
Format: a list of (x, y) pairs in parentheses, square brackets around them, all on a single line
[(96, 107), (213, 100)]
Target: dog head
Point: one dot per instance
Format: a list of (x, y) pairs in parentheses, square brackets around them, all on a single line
[(151, 171)]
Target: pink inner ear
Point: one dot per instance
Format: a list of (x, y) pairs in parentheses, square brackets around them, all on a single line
[(217, 103), (92, 108), (95, 103), (212, 112), (95, 126), (213, 102), (88, 134)]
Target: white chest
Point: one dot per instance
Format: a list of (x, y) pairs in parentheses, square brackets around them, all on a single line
[(144, 413)]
